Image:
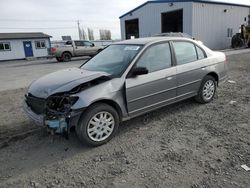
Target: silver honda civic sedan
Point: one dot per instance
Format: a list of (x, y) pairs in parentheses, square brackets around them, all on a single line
[(125, 80)]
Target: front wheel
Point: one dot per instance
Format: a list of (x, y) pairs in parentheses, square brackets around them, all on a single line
[(207, 90), (98, 125)]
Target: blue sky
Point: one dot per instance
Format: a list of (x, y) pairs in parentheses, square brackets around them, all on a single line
[(58, 17)]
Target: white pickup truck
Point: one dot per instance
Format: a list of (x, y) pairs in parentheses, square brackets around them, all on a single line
[(75, 48)]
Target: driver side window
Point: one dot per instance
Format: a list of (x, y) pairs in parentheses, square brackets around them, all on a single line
[(155, 58)]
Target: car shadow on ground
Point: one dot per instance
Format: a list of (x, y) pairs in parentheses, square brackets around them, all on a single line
[(144, 120)]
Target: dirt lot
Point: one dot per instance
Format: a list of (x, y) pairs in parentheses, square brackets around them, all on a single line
[(183, 145)]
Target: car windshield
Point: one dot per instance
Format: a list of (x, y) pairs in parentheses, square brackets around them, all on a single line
[(113, 60)]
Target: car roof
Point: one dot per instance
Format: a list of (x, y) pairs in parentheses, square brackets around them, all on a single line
[(173, 34), (144, 41)]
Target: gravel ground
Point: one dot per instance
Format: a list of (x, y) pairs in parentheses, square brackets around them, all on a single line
[(182, 145), (12, 119)]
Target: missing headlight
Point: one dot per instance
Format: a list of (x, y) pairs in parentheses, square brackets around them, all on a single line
[(61, 103)]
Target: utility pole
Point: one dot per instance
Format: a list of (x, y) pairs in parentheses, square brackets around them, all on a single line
[(79, 29)]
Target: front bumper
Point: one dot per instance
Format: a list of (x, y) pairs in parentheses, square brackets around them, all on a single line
[(38, 119)]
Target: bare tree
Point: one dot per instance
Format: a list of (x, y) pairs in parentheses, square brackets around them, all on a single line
[(105, 34), (91, 34), (79, 30), (80, 34), (84, 35), (109, 35)]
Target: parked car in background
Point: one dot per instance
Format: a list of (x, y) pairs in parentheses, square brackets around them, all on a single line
[(125, 80), (64, 51)]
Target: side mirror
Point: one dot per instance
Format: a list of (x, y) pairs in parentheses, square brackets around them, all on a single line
[(139, 71), (92, 45)]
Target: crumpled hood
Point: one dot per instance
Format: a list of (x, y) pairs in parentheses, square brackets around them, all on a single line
[(62, 81)]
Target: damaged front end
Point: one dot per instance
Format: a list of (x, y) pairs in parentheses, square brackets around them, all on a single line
[(58, 112), (54, 112), (59, 115)]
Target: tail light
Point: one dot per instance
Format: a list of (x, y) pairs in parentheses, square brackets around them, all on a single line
[(53, 50)]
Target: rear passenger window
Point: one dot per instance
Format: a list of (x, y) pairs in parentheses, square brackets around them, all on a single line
[(157, 57), (87, 43), (200, 53), (79, 43), (185, 52)]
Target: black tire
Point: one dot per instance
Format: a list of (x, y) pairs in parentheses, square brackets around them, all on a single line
[(237, 41), (66, 57), (201, 97), (59, 59), (83, 125)]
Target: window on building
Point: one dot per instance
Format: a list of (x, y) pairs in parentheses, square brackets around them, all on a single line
[(230, 32), (5, 46), (185, 52), (40, 44), (157, 57)]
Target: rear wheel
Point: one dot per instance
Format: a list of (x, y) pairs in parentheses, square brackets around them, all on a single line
[(207, 90), (66, 57), (98, 125), (59, 59)]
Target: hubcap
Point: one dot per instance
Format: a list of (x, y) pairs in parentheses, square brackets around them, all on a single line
[(208, 90), (67, 57), (101, 126)]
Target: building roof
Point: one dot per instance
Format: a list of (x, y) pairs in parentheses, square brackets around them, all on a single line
[(23, 35), (222, 2)]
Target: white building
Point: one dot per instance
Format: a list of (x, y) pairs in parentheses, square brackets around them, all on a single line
[(214, 23), (24, 45)]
